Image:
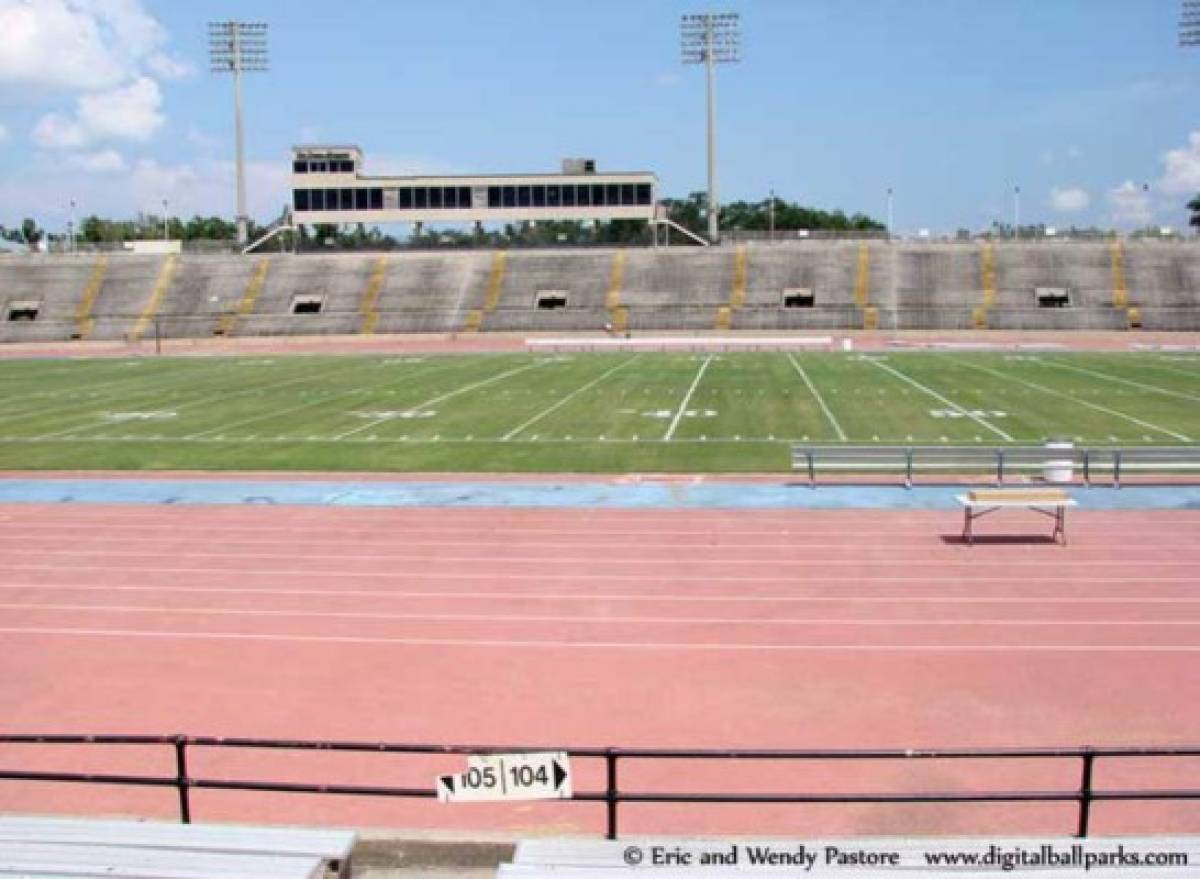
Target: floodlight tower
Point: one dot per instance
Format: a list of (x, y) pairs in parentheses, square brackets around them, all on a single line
[(1189, 24), (238, 47), (711, 39)]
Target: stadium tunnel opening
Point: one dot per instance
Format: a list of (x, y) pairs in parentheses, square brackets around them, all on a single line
[(799, 297), (24, 311), (1053, 297), (307, 304), (547, 300)]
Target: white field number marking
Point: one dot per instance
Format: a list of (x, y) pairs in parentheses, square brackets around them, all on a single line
[(118, 417), (967, 413), (544, 775), (402, 413)]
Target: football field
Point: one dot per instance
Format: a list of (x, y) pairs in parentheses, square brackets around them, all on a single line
[(609, 412)]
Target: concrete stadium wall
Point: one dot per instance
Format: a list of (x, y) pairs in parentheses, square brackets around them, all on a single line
[(910, 285)]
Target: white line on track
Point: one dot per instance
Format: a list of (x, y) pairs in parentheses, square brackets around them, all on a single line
[(820, 402), (639, 597), (479, 384), (1118, 380), (959, 559), (607, 645), (586, 620), (687, 398), (555, 406), (1064, 396), (945, 400)]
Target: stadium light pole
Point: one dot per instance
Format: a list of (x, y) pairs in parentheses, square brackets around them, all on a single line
[(71, 227), (889, 212), (238, 47), (1016, 212), (1189, 24), (164, 219), (711, 39), (771, 217)]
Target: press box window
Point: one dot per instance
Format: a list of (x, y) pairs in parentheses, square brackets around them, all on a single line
[(643, 193), (405, 199), (524, 197), (318, 199), (347, 199), (493, 196), (450, 197), (362, 198), (299, 167), (568, 196), (435, 197), (626, 193), (464, 196), (376, 199), (300, 199), (539, 196), (510, 196), (420, 198), (552, 199)]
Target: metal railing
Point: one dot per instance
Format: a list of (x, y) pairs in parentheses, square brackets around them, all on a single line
[(1085, 794), (996, 463)]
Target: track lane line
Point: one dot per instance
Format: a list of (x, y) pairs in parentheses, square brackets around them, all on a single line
[(679, 647)]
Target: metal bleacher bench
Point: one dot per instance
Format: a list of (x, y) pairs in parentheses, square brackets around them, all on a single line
[(1052, 502), (146, 849)]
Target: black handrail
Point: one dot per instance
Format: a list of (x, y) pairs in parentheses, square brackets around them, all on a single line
[(612, 795)]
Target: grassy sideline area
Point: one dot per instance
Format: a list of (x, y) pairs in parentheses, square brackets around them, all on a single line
[(617, 412)]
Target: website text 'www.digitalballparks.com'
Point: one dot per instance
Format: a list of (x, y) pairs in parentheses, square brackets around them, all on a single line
[(1005, 856)]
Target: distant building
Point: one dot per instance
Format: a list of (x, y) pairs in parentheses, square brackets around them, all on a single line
[(328, 186)]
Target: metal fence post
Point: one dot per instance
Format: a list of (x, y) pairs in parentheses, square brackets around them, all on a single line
[(181, 779), (999, 466), (610, 792), (1117, 469), (908, 468), (1087, 468), (812, 469), (1085, 794)]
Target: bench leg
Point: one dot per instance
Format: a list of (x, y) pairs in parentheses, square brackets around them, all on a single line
[(968, 537)]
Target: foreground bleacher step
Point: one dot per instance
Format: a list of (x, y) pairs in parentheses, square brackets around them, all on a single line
[(158, 848)]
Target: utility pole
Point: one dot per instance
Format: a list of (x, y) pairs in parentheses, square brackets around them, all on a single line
[(711, 39), (165, 234), (771, 217), (1016, 212), (237, 47), (889, 212)]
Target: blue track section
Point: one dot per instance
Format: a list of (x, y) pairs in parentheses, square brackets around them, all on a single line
[(633, 495)]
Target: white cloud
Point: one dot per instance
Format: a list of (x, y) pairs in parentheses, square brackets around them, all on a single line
[(77, 45), (666, 80), (166, 67), (3, 134), (102, 162), (1130, 204), (127, 113), (1069, 199), (1181, 168)]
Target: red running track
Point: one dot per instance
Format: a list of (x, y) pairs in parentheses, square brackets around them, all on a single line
[(582, 627)]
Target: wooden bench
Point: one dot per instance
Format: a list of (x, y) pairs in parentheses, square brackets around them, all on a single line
[(1052, 502), (134, 847)]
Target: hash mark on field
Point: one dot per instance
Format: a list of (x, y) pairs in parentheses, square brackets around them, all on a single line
[(820, 402), (1125, 381), (931, 392), (591, 384), (687, 397), (441, 397), (1053, 393)]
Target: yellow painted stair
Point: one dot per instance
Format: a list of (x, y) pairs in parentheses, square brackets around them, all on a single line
[(492, 297), (862, 277), (1135, 318), (258, 280), (370, 301), (1120, 290), (979, 317), (83, 315), (161, 286), (870, 318), (724, 318), (987, 272)]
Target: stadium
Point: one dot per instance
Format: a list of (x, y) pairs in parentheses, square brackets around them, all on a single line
[(576, 532)]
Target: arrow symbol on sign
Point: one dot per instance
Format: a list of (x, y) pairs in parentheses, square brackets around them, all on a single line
[(447, 781), (560, 775)]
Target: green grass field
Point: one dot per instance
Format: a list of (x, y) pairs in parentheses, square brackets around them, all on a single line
[(582, 412)]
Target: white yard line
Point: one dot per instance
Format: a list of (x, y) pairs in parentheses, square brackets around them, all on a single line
[(1064, 396), (554, 407), (687, 398), (820, 402), (323, 399), (1123, 381), (946, 400), (215, 398), (604, 645), (588, 620), (419, 406)]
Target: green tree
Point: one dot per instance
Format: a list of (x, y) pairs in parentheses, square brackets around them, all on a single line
[(1194, 207)]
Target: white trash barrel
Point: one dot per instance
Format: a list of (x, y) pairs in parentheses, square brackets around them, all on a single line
[(1059, 470), (847, 344)]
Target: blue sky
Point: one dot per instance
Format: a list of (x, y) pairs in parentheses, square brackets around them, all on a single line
[(1087, 105)]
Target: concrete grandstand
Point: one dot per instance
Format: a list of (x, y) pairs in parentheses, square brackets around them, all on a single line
[(755, 287)]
